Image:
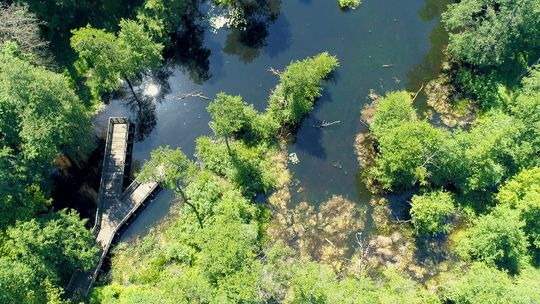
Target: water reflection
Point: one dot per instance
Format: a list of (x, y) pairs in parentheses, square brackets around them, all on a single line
[(188, 51), (247, 38), (430, 66), (151, 88), (279, 40), (433, 9), (234, 46)]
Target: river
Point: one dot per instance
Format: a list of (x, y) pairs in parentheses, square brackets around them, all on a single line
[(383, 45)]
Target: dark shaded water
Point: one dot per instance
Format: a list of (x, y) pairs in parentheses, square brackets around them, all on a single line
[(402, 34)]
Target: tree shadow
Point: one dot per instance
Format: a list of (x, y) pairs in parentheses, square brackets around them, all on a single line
[(151, 88), (247, 39), (279, 39), (309, 134), (309, 138), (235, 46), (188, 52), (431, 250)]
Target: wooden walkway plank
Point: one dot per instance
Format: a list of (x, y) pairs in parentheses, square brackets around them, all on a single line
[(114, 207)]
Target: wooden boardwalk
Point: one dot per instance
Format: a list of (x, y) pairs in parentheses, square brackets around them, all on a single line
[(115, 206)]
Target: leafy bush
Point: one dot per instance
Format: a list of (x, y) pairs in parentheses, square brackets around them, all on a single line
[(391, 111), (349, 3), (299, 87), (483, 284), (522, 192), (251, 168), (483, 87), (431, 212), (407, 155), (496, 239)]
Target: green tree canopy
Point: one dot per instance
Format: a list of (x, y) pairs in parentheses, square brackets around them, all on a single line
[(228, 115), (299, 87), (408, 154), (483, 284), (431, 212), (496, 239), (107, 58), (43, 253), (168, 166), (161, 18), (490, 32), (40, 118), (490, 152), (522, 192), (173, 169), (391, 111)]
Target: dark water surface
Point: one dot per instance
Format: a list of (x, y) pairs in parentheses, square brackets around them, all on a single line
[(402, 34)]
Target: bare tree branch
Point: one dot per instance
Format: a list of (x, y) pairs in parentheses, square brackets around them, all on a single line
[(192, 94), (17, 24), (326, 124), (274, 71)]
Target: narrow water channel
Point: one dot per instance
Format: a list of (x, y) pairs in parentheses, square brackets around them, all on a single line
[(383, 45)]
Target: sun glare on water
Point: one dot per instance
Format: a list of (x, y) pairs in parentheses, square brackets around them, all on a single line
[(151, 90)]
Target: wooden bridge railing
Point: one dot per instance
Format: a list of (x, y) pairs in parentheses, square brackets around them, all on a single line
[(118, 201), (106, 156)]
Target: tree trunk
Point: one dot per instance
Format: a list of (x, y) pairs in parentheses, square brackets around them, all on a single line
[(134, 95), (184, 198), (227, 144)]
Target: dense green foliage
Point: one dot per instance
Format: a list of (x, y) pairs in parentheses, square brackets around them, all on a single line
[(497, 239), (40, 117), (349, 3), (522, 192), (483, 284), (40, 254), (431, 212), (408, 147), (162, 17), (293, 98), (228, 115), (107, 58), (486, 32)]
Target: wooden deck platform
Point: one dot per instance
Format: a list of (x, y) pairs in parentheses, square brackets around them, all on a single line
[(115, 206)]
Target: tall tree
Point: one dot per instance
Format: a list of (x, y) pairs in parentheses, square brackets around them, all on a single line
[(496, 239), (42, 254), (228, 116), (174, 170), (40, 117), (17, 24), (107, 58), (522, 192), (500, 29)]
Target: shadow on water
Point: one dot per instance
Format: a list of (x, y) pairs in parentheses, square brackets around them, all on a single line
[(430, 66), (431, 250), (310, 140), (309, 135), (150, 89), (235, 46), (188, 52), (280, 39), (247, 39)]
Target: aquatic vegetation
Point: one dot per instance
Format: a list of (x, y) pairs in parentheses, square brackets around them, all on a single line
[(353, 4), (323, 234)]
